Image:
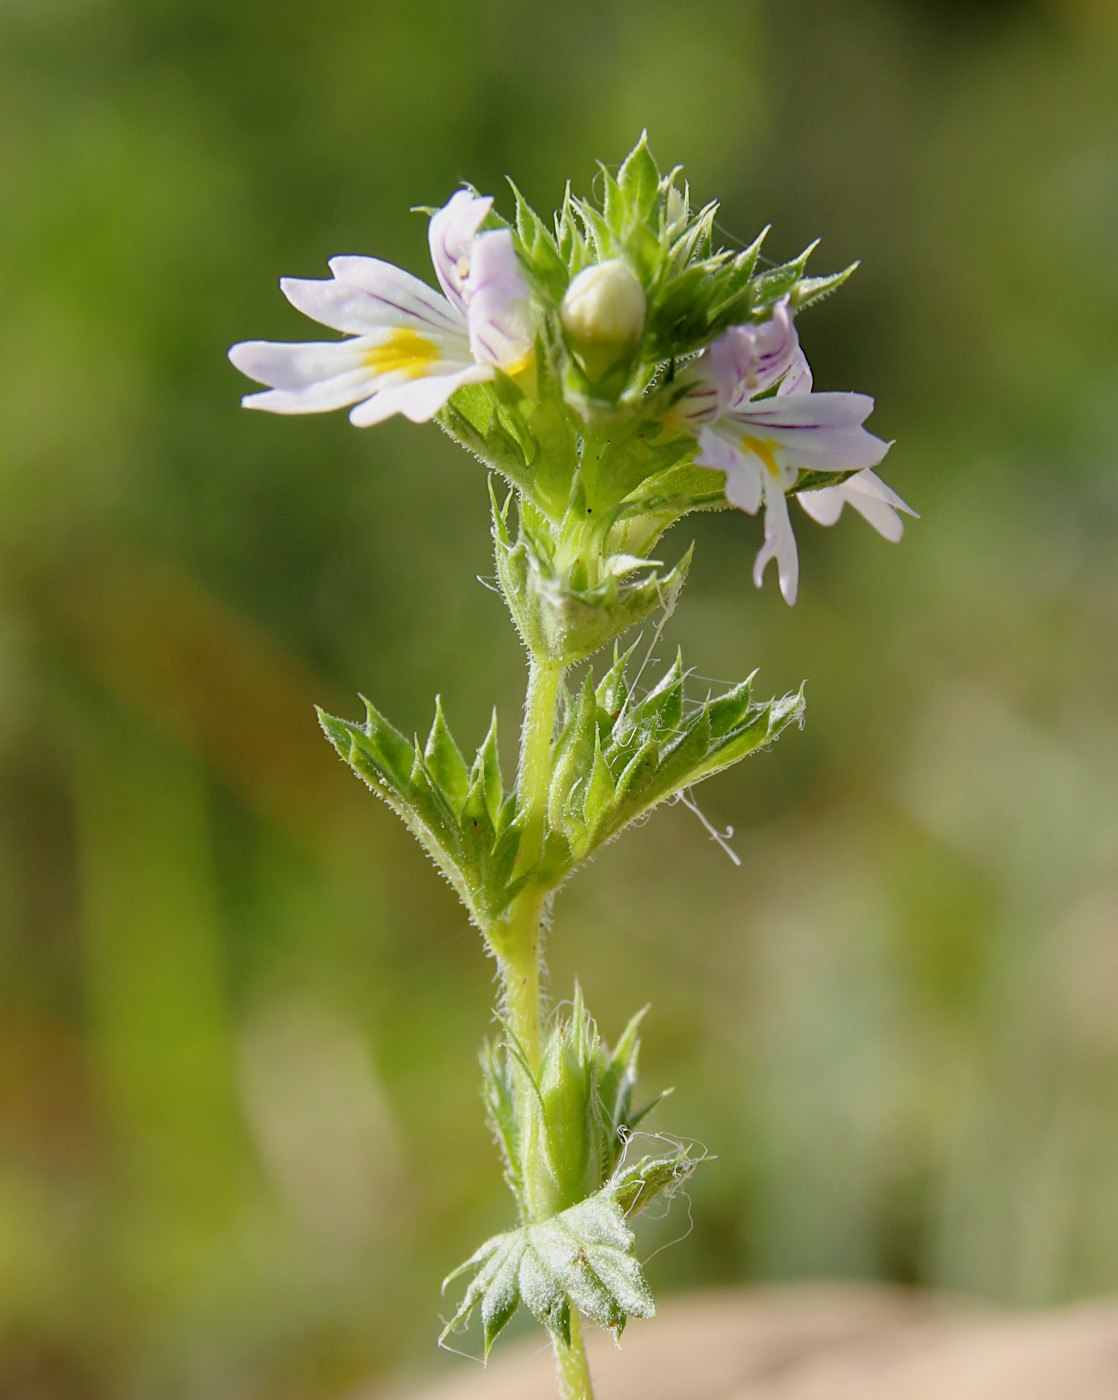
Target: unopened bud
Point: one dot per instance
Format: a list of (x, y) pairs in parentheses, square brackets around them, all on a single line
[(603, 312)]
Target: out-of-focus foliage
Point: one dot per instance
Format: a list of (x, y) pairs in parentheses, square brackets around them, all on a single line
[(240, 1131)]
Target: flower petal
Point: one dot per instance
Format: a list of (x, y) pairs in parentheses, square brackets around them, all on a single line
[(322, 397), (450, 235), (418, 399), (780, 544), (817, 432), (798, 380), (868, 495), (366, 295), (498, 303), (825, 505), (743, 474), (868, 483), (292, 366), (747, 360)]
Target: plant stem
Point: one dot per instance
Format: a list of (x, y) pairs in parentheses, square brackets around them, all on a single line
[(534, 773), (572, 1365), (516, 938), (516, 942)]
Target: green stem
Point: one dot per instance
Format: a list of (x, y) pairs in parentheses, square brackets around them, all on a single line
[(516, 941), (516, 938), (534, 774), (572, 1365)]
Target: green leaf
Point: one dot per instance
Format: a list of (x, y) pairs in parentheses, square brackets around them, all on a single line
[(500, 1107), (445, 763), (779, 281), (637, 1186), (582, 1257), (809, 290), (460, 817), (487, 767), (639, 179), (538, 248)]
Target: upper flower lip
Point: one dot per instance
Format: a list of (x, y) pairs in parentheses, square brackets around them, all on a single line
[(410, 348), (450, 237)]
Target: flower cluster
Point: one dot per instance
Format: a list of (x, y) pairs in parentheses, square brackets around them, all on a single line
[(625, 320)]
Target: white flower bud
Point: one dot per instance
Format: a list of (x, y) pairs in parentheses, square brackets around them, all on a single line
[(604, 309)]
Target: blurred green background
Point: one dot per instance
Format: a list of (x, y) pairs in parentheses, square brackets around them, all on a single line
[(240, 1134)]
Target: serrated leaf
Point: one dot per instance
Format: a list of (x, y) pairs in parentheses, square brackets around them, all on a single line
[(500, 1106), (582, 1256), (636, 1186), (445, 808)]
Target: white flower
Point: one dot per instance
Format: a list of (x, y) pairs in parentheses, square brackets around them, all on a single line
[(410, 348), (763, 443)]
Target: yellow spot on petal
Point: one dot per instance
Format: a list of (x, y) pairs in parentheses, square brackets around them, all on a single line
[(763, 449), (403, 352)]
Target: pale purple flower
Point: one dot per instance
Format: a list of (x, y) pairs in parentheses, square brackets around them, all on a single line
[(409, 347), (762, 441)]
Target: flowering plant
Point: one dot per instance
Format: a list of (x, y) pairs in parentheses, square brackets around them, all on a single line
[(615, 371)]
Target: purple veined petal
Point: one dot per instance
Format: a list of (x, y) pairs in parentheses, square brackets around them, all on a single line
[(284, 365), (747, 360), (780, 544), (827, 410), (450, 235), (366, 295), (498, 303), (419, 399), (798, 380), (699, 404), (743, 473), (813, 432)]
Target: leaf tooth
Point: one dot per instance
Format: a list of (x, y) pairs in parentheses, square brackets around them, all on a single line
[(487, 766), (445, 763)]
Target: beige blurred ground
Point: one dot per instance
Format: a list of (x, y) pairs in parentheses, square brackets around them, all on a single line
[(825, 1342)]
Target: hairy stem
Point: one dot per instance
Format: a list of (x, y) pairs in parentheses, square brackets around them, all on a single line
[(534, 773), (572, 1365), (516, 938)]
